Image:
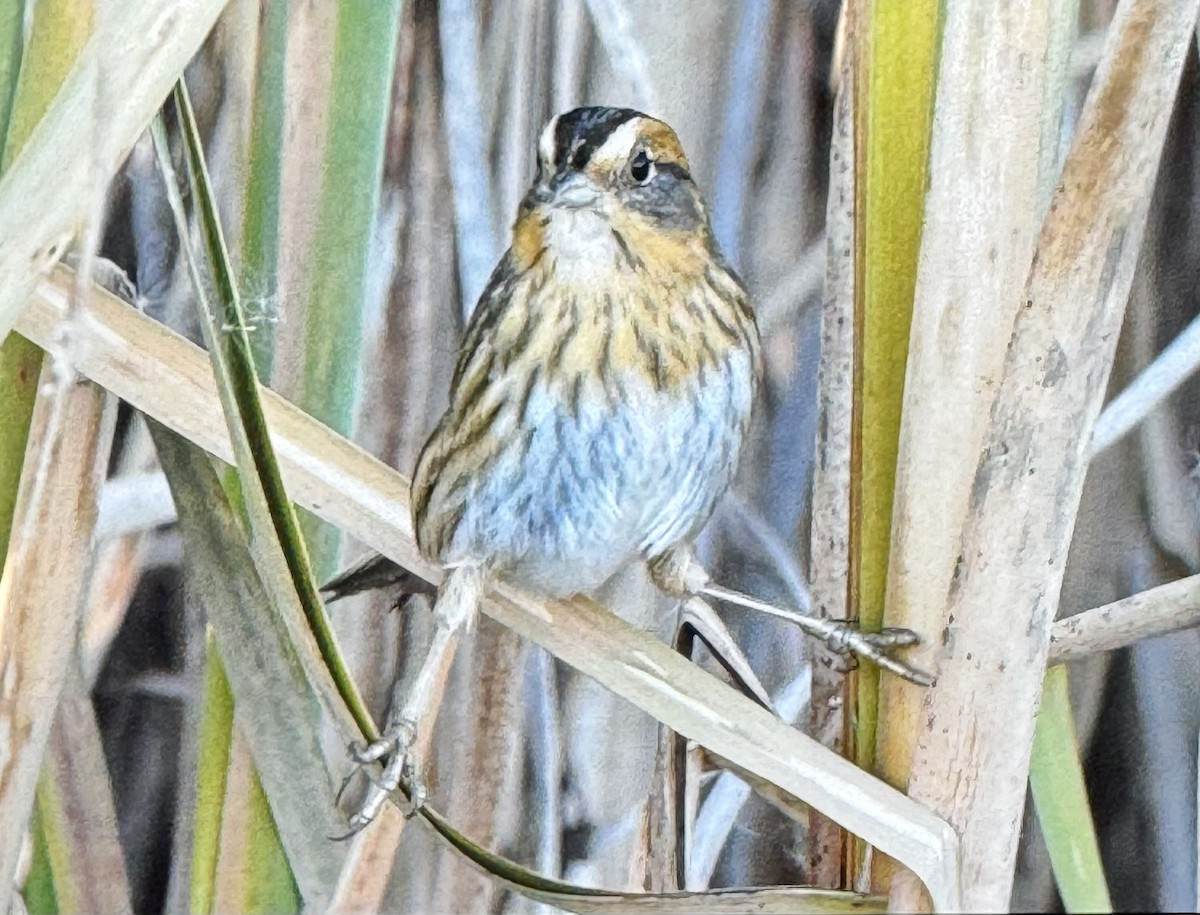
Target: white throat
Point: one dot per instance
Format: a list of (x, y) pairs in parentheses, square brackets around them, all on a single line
[(582, 244)]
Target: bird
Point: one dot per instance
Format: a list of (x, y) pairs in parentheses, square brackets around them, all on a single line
[(601, 397), (605, 381), (606, 378)]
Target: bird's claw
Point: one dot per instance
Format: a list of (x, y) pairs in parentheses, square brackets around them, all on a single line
[(841, 636), (877, 647), (884, 639), (418, 794), (402, 768)]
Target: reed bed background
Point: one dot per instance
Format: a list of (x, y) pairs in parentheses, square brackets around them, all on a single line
[(970, 234)]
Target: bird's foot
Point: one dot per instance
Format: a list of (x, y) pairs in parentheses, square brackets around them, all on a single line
[(396, 745), (847, 639), (678, 572), (840, 635)]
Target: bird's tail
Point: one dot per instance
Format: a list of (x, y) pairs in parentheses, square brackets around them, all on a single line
[(372, 572)]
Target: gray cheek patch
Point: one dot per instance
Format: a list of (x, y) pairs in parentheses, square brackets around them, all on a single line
[(670, 200)]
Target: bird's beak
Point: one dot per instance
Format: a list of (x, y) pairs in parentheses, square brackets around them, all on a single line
[(576, 191), (569, 190)]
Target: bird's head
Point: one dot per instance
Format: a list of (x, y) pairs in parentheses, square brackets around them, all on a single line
[(612, 184)]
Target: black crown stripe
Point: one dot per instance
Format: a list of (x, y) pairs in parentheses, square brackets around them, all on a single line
[(579, 133)]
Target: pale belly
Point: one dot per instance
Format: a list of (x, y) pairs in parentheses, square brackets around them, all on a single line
[(584, 486)]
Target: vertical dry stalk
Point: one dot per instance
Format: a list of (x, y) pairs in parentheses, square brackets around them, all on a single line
[(42, 589), (830, 537), (307, 63), (88, 862), (970, 762), (981, 221), (363, 883)]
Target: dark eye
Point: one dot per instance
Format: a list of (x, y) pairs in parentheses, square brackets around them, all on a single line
[(640, 167)]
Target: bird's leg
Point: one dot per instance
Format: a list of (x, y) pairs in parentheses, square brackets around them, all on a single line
[(406, 738), (680, 574)]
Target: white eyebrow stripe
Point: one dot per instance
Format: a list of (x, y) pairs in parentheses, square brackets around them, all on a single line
[(546, 142), (616, 149)]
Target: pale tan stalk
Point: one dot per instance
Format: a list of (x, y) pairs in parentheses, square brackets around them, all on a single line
[(43, 588), (1158, 611), (829, 536), (981, 210), (79, 815)]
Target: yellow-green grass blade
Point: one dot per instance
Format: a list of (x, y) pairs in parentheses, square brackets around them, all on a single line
[(212, 767), (273, 889), (269, 510), (260, 229), (270, 885), (1061, 801), (59, 29), (901, 74), (12, 26), (38, 892), (363, 63), (20, 365)]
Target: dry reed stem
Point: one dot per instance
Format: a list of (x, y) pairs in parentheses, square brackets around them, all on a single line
[(971, 758), (90, 877), (981, 221), (1158, 611), (43, 588), (367, 871), (164, 375), (982, 209), (658, 864), (829, 539)]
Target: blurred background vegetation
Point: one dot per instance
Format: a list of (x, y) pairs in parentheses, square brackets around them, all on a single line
[(368, 158)]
